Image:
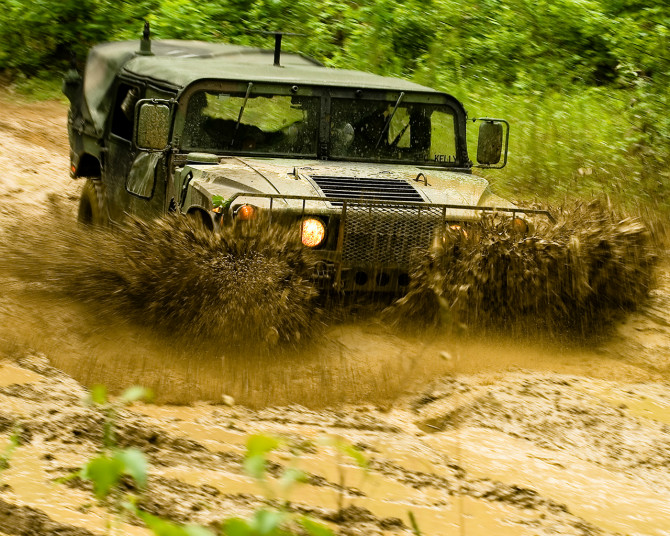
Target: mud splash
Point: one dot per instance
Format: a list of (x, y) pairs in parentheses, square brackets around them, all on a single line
[(575, 276), (244, 285), (250, 285)]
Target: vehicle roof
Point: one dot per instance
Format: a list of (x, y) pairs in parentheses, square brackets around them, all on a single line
[(178, 64)]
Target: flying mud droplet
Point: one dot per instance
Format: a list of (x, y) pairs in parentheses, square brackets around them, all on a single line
[(573, 276)]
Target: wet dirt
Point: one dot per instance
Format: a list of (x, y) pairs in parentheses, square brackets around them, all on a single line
[(495, 435)]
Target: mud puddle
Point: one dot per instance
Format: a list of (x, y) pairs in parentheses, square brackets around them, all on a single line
[(511, 456)]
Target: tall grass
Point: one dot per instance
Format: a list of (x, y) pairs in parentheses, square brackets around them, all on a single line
[(563, 144)]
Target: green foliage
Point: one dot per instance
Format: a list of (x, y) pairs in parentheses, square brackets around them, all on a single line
[(106, 471), (98, 397), (346, 448), (266, 522), (161, 527), (258, 447)]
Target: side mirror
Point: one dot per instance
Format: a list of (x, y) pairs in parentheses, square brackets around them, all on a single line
[(152, 125), (490, 142)]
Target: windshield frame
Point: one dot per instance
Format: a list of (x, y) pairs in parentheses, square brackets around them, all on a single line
[(325, 94)]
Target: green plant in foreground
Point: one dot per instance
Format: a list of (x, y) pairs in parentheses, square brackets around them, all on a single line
[(273, 522), (106, 470)]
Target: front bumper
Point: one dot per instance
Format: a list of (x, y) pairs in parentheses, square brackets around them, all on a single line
[(371, 245)]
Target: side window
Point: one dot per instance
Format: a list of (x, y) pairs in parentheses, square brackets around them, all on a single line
[(124, 110)]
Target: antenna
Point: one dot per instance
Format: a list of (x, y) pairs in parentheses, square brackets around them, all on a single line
[(145, 43), (278, 38)]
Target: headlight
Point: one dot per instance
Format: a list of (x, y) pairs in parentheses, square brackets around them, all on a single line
[(312, 232)]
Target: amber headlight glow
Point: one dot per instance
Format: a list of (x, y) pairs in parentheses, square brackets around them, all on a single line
[(313, 232)]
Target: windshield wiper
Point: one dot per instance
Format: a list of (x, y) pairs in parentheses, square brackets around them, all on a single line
[(239, 117), (388, 121)]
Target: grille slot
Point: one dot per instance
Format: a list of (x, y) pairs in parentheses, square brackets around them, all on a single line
[(388, 236), (366, 188)]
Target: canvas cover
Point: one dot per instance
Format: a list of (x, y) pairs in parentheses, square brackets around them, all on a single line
[(177, 64), (107, 59)]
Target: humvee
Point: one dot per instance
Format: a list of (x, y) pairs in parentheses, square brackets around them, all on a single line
[(368, 169)]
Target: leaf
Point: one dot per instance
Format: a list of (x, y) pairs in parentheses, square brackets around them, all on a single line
[(292, 476), (261, 444), (99, 394), (162, 527), (195, 530), (159, 526), (257, 448), (266, 522), (237, 527), (255, 466), (135, 393), (134, 464), (355, 454), (104, 472), (217, 201), (314, 528), (346, 448)]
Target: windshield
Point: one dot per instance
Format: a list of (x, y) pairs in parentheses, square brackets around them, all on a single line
[(367, 129), (256, 121), (273, 124)]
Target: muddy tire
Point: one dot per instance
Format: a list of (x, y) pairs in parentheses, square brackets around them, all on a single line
[(92, 210)]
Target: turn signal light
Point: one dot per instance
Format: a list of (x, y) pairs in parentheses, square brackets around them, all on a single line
[(312, 232), (245, 213), (519, 225)]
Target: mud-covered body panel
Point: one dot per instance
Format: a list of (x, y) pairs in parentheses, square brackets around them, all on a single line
[(293, 177)]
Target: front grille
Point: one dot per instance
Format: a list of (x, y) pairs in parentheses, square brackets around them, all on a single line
[(366, 188), (387, 236)]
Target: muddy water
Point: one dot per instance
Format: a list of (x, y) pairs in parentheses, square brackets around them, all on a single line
[(480, 436)]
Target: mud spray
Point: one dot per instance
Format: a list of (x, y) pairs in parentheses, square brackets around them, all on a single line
[(195, 314), (246, 284), (572, 277)]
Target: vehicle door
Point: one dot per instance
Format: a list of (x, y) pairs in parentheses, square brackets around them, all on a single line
[(136, 179)]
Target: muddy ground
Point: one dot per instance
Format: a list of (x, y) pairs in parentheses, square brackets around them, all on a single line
[(474, 436)]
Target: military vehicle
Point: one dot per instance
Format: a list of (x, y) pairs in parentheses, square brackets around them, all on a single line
[(368, 169)]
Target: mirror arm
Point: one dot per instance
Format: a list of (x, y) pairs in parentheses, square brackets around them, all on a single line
[(504, 122)]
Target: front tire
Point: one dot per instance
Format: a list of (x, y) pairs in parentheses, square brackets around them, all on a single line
[(92, 210)]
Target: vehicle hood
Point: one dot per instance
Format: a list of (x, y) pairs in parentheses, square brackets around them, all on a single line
[(297, 178)]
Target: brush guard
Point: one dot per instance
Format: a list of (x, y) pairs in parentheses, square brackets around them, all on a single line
[(379, 237)]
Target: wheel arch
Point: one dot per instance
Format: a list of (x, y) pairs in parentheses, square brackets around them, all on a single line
[(202, 215), (87, 166)]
